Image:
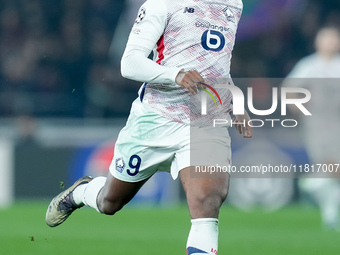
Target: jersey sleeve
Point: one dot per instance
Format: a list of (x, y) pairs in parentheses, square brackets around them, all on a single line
[(146, 32)]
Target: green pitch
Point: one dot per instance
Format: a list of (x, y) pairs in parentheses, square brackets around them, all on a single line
[(157, 231)]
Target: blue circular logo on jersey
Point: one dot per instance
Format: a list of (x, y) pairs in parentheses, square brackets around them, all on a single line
[(213, 40)]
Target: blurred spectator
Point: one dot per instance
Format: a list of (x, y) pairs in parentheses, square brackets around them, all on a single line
[(49, 50)]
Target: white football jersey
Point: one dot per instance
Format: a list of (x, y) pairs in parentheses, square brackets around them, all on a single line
[(314, 66), (321, 77), (189, 35)]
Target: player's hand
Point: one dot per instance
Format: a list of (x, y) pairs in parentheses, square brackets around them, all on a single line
[(243, 126), (189, 80)]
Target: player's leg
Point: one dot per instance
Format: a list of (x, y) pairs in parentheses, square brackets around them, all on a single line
[(204, 197), (116, 193), (105, 194), (128, 170)]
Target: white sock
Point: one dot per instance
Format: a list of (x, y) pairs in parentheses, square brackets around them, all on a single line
[(87, 193), (203, 236), (78, 194)]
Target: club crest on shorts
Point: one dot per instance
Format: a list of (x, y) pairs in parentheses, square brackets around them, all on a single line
[(120, 164)]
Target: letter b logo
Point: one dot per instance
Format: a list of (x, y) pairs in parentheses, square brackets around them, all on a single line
[(213, 40)]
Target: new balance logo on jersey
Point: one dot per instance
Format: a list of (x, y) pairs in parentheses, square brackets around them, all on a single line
[(189, 10)]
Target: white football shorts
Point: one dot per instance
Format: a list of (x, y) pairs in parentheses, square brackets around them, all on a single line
[(150, 143)]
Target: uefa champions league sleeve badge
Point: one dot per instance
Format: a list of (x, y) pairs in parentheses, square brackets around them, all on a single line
[(141, 15)]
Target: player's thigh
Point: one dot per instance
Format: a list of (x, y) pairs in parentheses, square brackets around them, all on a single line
[(116, 193), (206, 190), (204, 195)]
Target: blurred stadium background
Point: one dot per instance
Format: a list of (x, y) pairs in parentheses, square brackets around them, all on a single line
[(63, 102)]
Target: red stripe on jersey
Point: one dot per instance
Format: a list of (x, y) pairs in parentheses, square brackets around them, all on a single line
[(160, 49)]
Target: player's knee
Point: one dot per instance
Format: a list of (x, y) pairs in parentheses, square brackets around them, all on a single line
[(210, 201), (223, 194), (219, 195), (214, 200), (110, 207), (207, 207)]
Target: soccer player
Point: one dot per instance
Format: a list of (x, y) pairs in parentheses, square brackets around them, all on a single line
[(325, 62), (322, 148), (192, 43)]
